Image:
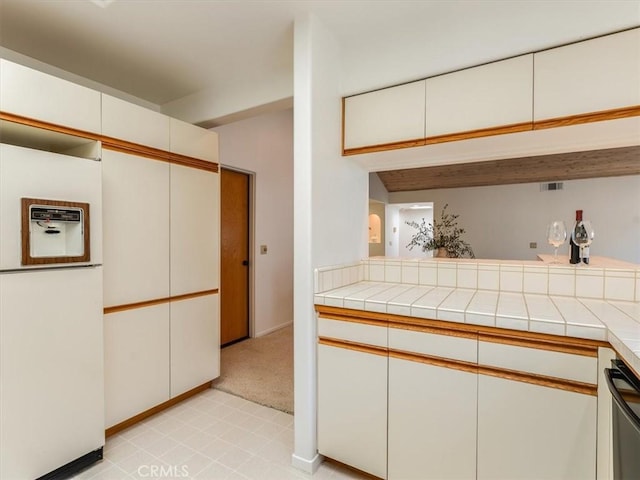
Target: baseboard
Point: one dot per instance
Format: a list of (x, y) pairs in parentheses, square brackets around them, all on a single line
[(307, 465), (273, 329), (157, 409)]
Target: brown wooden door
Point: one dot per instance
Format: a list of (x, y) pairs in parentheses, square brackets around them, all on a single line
[(234, 244)]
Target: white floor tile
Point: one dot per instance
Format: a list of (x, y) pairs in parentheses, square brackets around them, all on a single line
[(213, 436)]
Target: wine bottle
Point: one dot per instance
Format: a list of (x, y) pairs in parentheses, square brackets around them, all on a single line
[(575, 249)]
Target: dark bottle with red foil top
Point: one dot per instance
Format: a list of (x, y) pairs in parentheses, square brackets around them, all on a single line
[(578, 232)]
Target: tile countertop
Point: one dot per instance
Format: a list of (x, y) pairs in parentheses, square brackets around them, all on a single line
[(617, 322)]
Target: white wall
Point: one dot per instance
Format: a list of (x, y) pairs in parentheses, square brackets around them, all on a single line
[(263, 145), (502, 220), (330, 209)]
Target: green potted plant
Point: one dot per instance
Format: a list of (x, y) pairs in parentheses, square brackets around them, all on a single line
[(444, 236)]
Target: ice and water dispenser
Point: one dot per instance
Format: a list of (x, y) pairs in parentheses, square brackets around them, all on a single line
[(54, 231)]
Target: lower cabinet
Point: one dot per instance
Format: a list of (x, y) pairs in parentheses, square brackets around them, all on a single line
[(195, 335), (136, 355), (352, 408), (529, 431), (432, 421)]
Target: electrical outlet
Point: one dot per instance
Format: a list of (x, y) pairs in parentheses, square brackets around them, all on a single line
[(533, 245), (263, 249)]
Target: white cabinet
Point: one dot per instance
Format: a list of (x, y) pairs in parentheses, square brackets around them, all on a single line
[(39, 96), (432, 405), (126, 121), (536, 424), (432, 421), (590, 76), (352, 394), (136, 228), (193, 141), (137, 363), (529, 431), (385, 116), (195, 335), (493, 95), (195, 221), (352, 408)]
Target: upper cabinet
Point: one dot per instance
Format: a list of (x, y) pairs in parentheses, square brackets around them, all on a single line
[(485, 97), (36, 95), (389, 116), (193, 141), (126, 121), (586, 77)]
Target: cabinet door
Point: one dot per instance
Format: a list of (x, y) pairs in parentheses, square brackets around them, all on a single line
[(432, 421), (590, 76), (390, 115), (126, 121), (193, 141), (37, 95), (195, 341), (136, 355), (136, 228), (352, 408), (195, 230), (528, 431), (494, 95)]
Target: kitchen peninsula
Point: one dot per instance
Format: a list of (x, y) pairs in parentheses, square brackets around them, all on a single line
[(472, 368)]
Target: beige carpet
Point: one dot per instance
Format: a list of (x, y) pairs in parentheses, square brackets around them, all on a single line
[(260, 369)]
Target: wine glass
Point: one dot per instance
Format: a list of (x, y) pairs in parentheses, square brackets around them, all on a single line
[(582, 236), (556, 236)]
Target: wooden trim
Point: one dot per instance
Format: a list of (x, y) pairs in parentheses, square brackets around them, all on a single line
[(27, 259), (544, 341), (354, 316), (542, 380), (602, 115), (358, 473), (157, 409), (481, 132), (418, 142), (10, 117), (131, 148), (158, 301), (355, 346), (436, 330), (549, 344), (122, 146), (437, 361)]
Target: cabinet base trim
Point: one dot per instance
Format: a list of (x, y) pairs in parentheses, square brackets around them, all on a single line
[(157, 409), (309, 466)]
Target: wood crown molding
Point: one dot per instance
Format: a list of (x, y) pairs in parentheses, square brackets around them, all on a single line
[(110, 143), (158, 301)]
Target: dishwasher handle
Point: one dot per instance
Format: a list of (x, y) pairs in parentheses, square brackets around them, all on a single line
[(610, 373)]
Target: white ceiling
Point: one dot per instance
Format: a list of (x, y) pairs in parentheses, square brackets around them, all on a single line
[(163, 50)]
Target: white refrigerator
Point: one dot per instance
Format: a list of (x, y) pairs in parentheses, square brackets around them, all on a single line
[(51, 321)]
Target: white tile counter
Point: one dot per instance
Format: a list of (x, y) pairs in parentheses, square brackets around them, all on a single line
[(584, 302)]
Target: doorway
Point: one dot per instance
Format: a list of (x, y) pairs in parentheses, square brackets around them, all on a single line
[(235, 216)]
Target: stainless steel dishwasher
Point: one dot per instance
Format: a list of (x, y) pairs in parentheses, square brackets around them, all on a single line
[(625, 389)]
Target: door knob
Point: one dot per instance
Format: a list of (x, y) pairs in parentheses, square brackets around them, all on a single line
[(245, 263)]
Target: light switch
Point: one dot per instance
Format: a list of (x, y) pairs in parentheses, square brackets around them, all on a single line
[(263, 249), (533, 245)]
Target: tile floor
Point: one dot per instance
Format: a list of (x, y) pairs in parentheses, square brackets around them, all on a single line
[(212, 436)]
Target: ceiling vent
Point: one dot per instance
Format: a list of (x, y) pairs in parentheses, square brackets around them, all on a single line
[(546, 187)]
